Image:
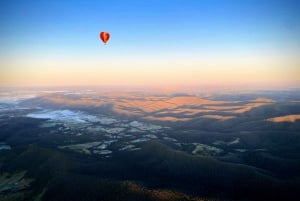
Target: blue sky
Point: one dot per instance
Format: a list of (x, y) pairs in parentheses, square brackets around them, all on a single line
[(148, 29)]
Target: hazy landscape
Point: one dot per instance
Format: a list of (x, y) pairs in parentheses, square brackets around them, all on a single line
[(93, 143), (127, 100)]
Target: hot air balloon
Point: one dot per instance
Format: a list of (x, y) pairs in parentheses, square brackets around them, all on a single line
[(104, 36)]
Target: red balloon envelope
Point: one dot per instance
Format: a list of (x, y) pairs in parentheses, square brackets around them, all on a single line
[(104, 36)]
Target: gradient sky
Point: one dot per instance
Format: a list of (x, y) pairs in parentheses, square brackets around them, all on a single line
[(218, 42)]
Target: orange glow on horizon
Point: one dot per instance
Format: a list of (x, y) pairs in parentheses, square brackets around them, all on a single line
[(174, 71)]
